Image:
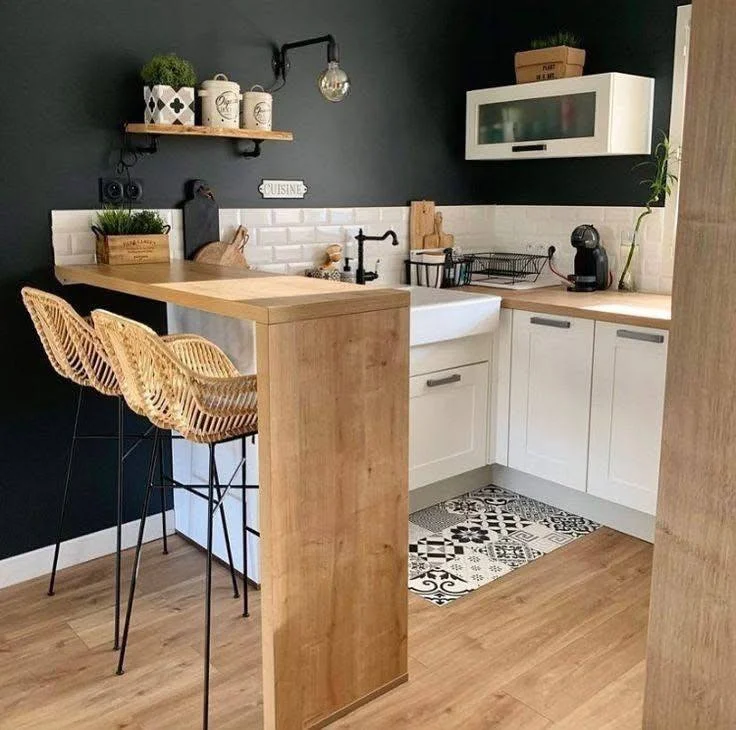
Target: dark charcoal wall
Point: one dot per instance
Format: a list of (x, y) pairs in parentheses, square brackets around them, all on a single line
[(70, 71), (628, 36), (73, 71)]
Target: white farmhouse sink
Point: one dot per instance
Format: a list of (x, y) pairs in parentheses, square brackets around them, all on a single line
[(444, 314)]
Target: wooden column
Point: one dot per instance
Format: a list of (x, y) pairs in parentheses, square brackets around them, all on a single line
[(333, 419), (691, 663)]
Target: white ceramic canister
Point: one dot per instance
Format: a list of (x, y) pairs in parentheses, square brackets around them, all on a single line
[(220, 102), (257, 109)]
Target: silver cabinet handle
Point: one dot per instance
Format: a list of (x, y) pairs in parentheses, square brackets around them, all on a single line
[(456, 378), (562, 324), (641, 336)]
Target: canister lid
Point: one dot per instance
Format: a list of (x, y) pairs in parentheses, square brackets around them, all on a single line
[(221, 83)]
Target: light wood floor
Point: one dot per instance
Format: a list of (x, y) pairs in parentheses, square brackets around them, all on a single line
[(558, 644)]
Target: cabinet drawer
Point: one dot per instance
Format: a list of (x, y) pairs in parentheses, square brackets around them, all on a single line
[(552, 359), (627, 409), (448, 423)]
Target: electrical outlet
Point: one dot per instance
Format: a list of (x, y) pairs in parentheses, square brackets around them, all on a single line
[(118, 190)]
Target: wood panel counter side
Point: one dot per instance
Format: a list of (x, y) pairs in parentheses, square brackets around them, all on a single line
[(333, 402)]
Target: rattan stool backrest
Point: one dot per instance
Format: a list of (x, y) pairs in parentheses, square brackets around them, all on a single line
[(70, 342), (187, 384)]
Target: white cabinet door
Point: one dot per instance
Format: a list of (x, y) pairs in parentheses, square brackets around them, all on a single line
[(448, 423), (552, 359), (626, 415)]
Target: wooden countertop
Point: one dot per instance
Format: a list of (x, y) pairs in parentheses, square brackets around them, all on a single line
[(234, 292), (643, 310)]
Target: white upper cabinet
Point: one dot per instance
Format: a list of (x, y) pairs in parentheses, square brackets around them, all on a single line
[(552, 359), (626, 414), (604, 114)]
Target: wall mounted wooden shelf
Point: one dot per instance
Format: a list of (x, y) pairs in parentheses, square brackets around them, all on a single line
[(257, 136)]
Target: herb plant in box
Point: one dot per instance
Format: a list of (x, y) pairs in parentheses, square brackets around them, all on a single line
[(169, 90), (131, 237), (558, 56)]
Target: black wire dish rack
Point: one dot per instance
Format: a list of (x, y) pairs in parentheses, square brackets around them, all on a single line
[(458, 269)]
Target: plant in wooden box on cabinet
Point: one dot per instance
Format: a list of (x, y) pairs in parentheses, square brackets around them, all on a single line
[(131, 237), (558, 56), (659, 187), (169, 90)]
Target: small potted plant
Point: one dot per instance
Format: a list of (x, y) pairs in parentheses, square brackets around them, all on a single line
[(659, 187), (131, 237), (558, 56), (169, 90)]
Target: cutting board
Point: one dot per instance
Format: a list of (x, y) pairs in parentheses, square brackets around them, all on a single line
[(225, 254), (421, 222), (438, 238), (201, 217)]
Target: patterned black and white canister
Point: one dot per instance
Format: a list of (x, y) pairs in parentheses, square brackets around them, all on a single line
[(166, 105)]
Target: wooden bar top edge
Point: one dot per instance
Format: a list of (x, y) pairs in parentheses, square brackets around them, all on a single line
[(192, 284), (629, 308)]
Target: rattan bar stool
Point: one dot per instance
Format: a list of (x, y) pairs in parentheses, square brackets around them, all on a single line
[(76, 353), (192, 387)]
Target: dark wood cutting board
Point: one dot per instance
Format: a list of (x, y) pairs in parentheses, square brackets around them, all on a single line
[(201, 217)]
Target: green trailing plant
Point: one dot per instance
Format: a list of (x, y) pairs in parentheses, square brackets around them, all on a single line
[(659, 187), (561, 38), (169, 70), (124, 222)]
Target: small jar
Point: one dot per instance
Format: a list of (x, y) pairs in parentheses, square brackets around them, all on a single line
[(257, 109)]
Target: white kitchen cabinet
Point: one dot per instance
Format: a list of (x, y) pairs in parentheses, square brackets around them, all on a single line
[(552, 360), (448, 423), (602, 114), (626, 414)]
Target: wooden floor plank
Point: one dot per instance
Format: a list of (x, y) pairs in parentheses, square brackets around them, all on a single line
[(504, 657)]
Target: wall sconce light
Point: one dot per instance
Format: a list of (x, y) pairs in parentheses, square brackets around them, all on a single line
[(333, 83)]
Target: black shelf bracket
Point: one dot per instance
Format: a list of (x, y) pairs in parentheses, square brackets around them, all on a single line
[(150, 149), (255, 150)]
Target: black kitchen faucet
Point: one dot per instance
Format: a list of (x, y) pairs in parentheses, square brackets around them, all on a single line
[(361, 275)]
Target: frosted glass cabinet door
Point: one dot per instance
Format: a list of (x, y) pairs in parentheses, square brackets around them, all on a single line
[(626, 415), (527, 120)]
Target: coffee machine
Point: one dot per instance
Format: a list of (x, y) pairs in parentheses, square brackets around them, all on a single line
[(591, 261)]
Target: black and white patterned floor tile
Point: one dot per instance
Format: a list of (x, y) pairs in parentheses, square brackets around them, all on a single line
[(466, 542)]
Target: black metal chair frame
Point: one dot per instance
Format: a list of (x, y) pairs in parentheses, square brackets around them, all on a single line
[(122, 455), (213, 487)]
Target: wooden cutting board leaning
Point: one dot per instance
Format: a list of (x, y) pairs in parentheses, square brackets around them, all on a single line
[(426, 227), (226, 254)]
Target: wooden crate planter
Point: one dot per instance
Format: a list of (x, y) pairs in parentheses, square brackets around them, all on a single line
[(558, 62), (135, 249)]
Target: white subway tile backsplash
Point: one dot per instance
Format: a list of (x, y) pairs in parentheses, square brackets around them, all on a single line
[(287, 216), (256, 217), (273, 268), (314, 216), (342, 215), (273, 236), (330, 234), (301, 234), (281, 246), (287, 253)]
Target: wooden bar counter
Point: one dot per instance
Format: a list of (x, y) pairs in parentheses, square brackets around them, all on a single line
[(333, 389)]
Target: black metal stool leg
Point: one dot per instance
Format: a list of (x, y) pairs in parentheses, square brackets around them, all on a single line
[(208, 591), (65, 498), (119, 516), (228, 548), (162, 493), (244, 504), (137, 561)]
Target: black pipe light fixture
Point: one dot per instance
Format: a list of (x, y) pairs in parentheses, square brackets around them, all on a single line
[(333, 83)]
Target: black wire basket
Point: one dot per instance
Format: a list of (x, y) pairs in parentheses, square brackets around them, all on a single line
[(463, 269)]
